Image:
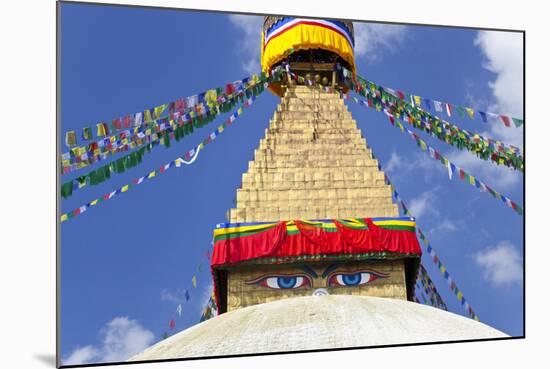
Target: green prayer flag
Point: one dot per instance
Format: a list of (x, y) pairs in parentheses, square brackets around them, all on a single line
[(119, 165), (106, 171), (87, 133), (67, 189), (517, 122)]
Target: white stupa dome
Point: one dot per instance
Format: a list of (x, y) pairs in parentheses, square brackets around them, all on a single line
[(318, 322)]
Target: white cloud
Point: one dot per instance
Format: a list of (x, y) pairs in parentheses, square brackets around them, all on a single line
[(175, 297), (423, 204), (121, 338), (394, 163), (373, 39), (499, 176), (503, 53), (417, 164), (249, 42), (82, 355), (501, 263)]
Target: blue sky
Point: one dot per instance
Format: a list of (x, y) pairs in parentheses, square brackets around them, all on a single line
[(126, 262)]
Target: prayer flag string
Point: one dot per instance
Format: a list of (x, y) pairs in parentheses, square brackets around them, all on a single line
[(179, 122), (484, 148), (437, 261), (450, 109), (189, 156), (173, 130), (451, 167), (184, 105)]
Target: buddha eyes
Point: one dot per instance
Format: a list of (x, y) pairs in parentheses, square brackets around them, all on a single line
[(334, 279), (353, 279), (283, 282)]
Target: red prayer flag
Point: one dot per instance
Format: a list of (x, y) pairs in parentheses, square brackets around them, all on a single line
[(172, 324), (505, 120), (117, 124)]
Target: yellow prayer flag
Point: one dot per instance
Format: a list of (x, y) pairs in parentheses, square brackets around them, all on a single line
[(255, 79), (94, 202), (159, 110), (459, 295), (147, 116), (472, 181), (64, 217), (151, 175), (124, 188), (418, 100), (101, 129), (201, 145), (211, 96), (194, 281), (470, 112)]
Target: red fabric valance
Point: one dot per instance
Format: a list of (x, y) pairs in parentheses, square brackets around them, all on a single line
[(310, 240)]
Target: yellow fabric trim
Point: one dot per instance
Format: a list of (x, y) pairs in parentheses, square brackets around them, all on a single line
[(405, 223), (220, 231), (291, 226), (303, 37)]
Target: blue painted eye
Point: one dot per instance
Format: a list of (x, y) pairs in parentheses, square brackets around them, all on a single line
[(351, 279), (354, 279), (282, 281), (286, 282)]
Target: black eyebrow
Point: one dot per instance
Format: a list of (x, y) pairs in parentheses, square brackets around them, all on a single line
[(329, 269), (309, 271)]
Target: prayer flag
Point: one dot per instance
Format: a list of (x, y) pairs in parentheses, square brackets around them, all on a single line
[(172, 324), (159, 110), (437, 106), (450, 170), (483, 116), (178, 310), (517, 122), (505, 120), (102, 130), (117, 124), (86, 133), (70, 138), (194, 281), (449, 108), (138, 119), (186, 295), (470, 112)]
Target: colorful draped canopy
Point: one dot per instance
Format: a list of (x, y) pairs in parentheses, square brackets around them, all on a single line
[(278, 242), (293, 34)]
